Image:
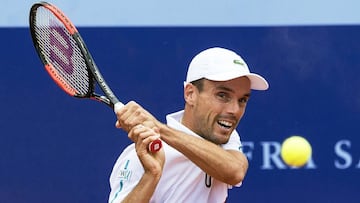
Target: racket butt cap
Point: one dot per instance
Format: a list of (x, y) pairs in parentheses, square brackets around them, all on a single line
[(155, 146)]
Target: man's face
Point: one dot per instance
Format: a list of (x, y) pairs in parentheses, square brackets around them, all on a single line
[(218, 108)]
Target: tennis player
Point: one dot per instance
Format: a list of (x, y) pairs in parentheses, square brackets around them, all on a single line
[(201, 156)]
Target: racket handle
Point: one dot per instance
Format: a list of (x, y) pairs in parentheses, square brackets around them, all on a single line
[(155, 145), (118, 106)]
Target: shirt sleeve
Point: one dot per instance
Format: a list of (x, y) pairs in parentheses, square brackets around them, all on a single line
[(234, 142), (125, 175)]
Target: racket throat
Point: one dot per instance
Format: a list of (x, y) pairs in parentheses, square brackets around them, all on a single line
[(102, 99)]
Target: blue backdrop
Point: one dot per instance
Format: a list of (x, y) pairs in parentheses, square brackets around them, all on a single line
[(54, 148)]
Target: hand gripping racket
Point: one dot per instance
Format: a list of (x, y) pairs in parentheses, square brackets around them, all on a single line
[(67, 59)]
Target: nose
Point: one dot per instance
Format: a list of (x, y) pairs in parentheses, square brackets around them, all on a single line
[(235, 108)]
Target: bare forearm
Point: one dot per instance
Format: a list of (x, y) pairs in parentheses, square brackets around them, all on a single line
[(144, 190), (227, 166), (152, 163)]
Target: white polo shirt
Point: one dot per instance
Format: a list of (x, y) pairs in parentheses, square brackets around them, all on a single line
[(181, 181)]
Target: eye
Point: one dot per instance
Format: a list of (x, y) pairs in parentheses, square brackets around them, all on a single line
[(223, 96), (243, 100)]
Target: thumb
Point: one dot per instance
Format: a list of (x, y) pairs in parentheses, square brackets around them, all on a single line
[(117, 124)]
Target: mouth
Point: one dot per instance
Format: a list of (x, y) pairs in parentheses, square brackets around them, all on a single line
[(225, 124)]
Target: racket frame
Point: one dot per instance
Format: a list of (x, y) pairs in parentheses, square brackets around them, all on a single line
[(109, 99), (93, 72)]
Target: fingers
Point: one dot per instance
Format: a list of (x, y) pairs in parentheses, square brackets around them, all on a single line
[(125, 116), (152, 163), (117, 124), (133, 119), (133, 114), (143, 135)]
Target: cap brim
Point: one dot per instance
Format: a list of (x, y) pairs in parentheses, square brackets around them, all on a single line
[(257, 81)]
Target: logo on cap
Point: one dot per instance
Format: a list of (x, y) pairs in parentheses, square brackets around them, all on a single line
[(238, 62)]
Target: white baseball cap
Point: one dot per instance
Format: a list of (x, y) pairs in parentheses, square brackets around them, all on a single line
[(219, 64)]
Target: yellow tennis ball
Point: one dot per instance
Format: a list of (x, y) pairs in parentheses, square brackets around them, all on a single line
[(296, 151)]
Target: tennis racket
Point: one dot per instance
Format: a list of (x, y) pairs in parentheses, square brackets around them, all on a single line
[(67, 59)]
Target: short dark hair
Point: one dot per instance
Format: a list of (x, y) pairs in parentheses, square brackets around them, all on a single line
[(199, 84)]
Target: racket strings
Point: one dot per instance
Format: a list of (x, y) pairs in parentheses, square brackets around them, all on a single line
[(60, 49)]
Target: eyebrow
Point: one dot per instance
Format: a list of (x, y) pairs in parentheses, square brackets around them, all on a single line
[(224, 88), (230, 90)]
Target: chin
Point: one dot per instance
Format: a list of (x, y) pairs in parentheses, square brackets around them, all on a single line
[(221, 140)]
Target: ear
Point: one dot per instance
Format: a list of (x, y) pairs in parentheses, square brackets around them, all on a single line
[(190, 93)]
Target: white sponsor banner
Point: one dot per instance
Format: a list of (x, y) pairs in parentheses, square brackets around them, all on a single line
[(14, 13)]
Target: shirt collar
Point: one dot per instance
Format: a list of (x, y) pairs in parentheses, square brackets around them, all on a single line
[(174, 120)]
